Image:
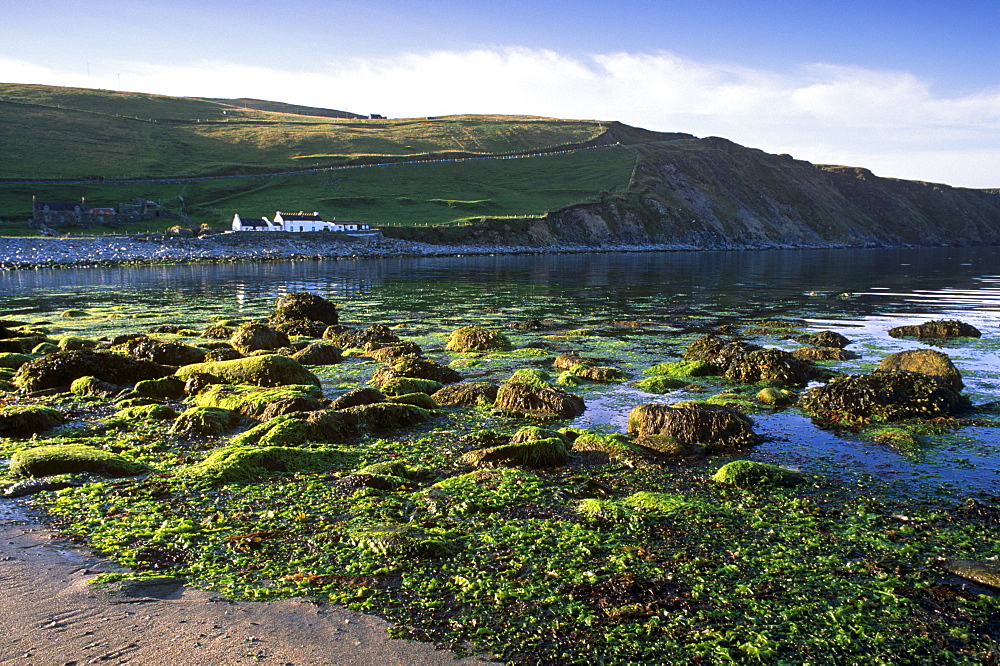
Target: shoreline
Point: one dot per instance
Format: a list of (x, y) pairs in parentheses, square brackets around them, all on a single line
[(32, 253)]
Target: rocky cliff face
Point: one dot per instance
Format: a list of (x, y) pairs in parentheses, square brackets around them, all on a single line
[(712, 193)]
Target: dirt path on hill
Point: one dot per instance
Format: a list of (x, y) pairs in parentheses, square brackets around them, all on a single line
[(50, 615)]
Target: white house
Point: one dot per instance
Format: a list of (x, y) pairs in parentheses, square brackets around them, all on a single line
[(301, 222), (257, 224)]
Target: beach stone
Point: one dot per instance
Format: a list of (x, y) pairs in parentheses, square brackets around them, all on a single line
[(751, 475), (61, 368), (162, 352), (715, 426), (248, 338), (532, 400), (27, 420), (824, 339), (476, 338), (941, 329), (319, 353), (356, 397), (467, 394), (883, 395), (267, 370), (71, 459), (420, 368), (925, 361), (304, 306)]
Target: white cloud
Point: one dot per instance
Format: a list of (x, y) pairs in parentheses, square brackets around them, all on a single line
[(889, 121)]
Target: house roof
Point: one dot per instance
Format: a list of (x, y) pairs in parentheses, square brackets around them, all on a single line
[(57, 205), (254, 222), (296, 217)]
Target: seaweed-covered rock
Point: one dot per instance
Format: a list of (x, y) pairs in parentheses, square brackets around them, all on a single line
[(72, 459), (927, 362), (401, 541), (27, 420), (670, 447), (467, 394), (304, 306), (530, 400), (686, 369), (476, 338), (941, 329), (719, 354), (71, 342), (13, 361), (772, 365), (218, 332), (416, 399), (660, 384), (776, 397), (162, 352), (302, 328), (205, 422), (402, 385), (319, 353), (297, 429), (164, 388), (292, 405), (196, 382), (715, 426), (386, 415), (420, 368), (983, 572), (93, 386), (534, 433), (572, 360), (356, 397), (607, 446), (823, 354), (266, 370), (883, 395), (222, 353), (533, 376), (548, 452), (830, 339), (751, 475), (249, 337), (599, 373), (394, 351), (242, 464), (374, 337), (154, 412), (61, 368), (252, 400)]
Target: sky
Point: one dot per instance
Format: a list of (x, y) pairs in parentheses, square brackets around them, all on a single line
[(907, 88)]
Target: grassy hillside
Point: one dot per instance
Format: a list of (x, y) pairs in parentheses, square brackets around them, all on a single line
[(71, 133)]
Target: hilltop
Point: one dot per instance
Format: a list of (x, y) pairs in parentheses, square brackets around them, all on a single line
[(581, 182)]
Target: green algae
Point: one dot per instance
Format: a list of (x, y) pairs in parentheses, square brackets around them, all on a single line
[(265, 370), (748, 474), (251, 400), (71, 459), (244, 464)]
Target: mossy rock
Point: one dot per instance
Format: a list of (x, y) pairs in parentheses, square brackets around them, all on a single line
[(899, 438), (61, 368), (27, 420), (143, 412), (549, 452), (418, 399), (356, 397), (776, 397), (293, 405), (403, 385), (535, 433), (645, 502), (319, 353), (387, 468), (13, 360), (124, 401), (671, 447), (420, 368), (532, 376), (927, 362), (983, 572), (249, 338), (395, 351), (717, 353), (301, 328), (829, 339), (715, 426), (74, 342), (401, 541), (304, 306), (613, 446), (218, 332), (467, 394), (205, 422), (660, 384), (882, 396), (251, 400), (941, 329), (43, 348), (95, 387), (297, 429), (265, 370), (164, 388), (72, 459), (599, 373), (751, 475), (570, 361), (244, 464), (568, 379), (374, 337), (476, 338), (773, 365), (680, 369), (823, 354), (162, 351), (387, 415), (545, 401)]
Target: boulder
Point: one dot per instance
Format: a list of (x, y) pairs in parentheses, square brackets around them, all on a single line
[(252, 400), (27, 420), (386, 415), (548, 452), (401, 541), (420, 368), (248, 338), (925, 361), (771, 365), (319, 353), (750, 475), (297, 429), (531, 400), (356, 397), (292, 405), (467, 394), (823, 354), (775, 397), (402, 385), (13, 360), (394, 351), (302, 328), (374, 337), (716, 426), (660, 384), (72, 459), (95, 387), (218, 332), (162, 352), (61, 368), (164, 388), (938, 329), (267, 370), (717, 353), (205, 422), (570, 361), (686, 369), (301, 305), (599, 373), (824, 339), (153, 412), (883, 395), (416, 399), (476, 338)]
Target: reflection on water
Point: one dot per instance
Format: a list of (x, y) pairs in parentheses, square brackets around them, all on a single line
[(860, 292)]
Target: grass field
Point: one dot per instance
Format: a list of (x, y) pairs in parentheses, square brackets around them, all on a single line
[(393, 195)]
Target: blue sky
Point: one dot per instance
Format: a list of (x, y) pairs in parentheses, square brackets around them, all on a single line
[(909, 89)]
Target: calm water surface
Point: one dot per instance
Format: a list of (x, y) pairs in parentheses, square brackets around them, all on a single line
[(886, 288)]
